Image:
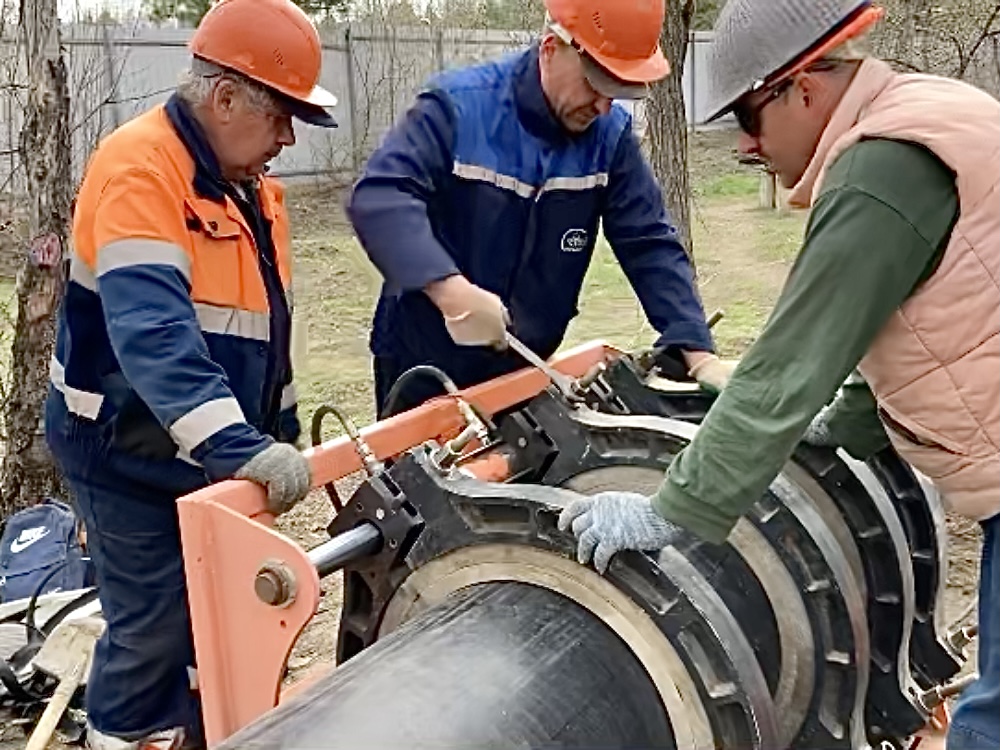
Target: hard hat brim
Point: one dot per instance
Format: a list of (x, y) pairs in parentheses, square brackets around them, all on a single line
[(311, 114), (320, 97), (724, 110), (313, 109), (608, 85), (641, 71)]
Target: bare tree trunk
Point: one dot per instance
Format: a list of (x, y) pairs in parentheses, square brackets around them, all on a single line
[(668, 121), (29, 472)]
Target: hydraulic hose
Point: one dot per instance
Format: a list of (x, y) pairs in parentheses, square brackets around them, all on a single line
[(426, 370)]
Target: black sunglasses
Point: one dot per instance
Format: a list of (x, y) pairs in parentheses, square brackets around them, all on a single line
[(748, 117)]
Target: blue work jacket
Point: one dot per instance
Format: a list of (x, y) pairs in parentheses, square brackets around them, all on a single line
[(480, 178)]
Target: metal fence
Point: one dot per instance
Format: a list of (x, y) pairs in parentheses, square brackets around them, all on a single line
[(118, 71)]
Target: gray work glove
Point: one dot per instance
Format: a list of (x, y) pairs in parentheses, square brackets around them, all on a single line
[(283, 471), (818, 431), (609, 522)]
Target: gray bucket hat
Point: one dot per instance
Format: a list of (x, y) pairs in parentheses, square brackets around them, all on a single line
[(755, 39)]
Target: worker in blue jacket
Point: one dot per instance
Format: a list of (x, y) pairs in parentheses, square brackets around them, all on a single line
[(482, 207)]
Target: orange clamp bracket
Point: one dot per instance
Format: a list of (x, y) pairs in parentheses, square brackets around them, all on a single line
[(251, 590)]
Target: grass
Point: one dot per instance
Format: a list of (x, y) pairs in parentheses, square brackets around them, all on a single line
[(728, 185)]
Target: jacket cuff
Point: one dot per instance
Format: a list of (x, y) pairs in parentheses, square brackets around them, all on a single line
[(702, 519), (862, 436), (289, 428), (226, 451), (419, 278), (690, 336)]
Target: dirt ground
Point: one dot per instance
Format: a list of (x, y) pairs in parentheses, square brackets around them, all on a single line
[(743, 254)]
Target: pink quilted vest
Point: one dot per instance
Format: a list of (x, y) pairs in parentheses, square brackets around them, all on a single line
[(935, 366)]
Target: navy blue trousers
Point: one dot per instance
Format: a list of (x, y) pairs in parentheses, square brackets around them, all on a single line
[(140, 681)]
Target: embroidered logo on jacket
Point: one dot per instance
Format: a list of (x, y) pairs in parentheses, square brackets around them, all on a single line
[(574, 241)]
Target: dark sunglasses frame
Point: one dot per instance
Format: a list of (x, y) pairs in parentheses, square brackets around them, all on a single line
[(748, 118)]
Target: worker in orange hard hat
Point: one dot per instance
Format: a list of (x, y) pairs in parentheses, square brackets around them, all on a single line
[(172, 362), (620, 39), (482, 207)]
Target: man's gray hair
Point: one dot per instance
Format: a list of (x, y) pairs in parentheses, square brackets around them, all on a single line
[(555, 28), (197, 82), (843, 57)]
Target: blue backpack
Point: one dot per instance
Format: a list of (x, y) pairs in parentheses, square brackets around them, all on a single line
[(40, 552)]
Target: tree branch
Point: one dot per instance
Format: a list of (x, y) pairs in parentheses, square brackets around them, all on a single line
[(903, 64), (983, 36), (110, 99), (959, 50)]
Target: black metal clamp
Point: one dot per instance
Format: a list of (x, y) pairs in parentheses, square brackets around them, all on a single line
[(381, 505)]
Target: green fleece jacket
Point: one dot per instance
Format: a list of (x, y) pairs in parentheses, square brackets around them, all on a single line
[(877, 230)]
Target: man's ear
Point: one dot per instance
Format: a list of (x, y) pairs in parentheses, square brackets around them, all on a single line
[(812, 88), (548, 45), (224, 99)]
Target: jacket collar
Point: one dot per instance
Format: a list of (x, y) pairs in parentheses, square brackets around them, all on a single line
[(208, 181), (532, 106), (869, 81)]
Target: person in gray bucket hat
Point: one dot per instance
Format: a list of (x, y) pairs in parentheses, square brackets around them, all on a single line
[(887, 329)]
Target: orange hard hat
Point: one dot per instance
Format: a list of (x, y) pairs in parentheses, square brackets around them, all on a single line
[(622, 36), (269, 41)]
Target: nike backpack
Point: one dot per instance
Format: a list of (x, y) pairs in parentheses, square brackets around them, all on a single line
[(40, 552)]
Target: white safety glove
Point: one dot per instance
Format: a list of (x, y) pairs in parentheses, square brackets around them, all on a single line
[(712, 373), (472, 315), (818, 431), (283, 471), (609, 522)]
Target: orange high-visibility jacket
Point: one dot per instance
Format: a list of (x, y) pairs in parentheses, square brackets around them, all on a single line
[(168, 329)]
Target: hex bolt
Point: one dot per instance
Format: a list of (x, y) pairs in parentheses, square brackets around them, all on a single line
[(275, 584)]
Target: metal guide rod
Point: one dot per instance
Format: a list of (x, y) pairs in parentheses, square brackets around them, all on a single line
[(937, 695), (333, 555)]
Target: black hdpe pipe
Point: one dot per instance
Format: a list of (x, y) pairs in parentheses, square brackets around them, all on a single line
[(497, 665)]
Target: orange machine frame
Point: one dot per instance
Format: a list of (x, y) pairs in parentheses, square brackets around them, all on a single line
[(242, 643)]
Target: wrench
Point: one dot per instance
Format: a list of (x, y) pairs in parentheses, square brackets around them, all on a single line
[(562, 382)]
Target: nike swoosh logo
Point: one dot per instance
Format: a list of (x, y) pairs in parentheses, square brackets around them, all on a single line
[(18, 546)]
